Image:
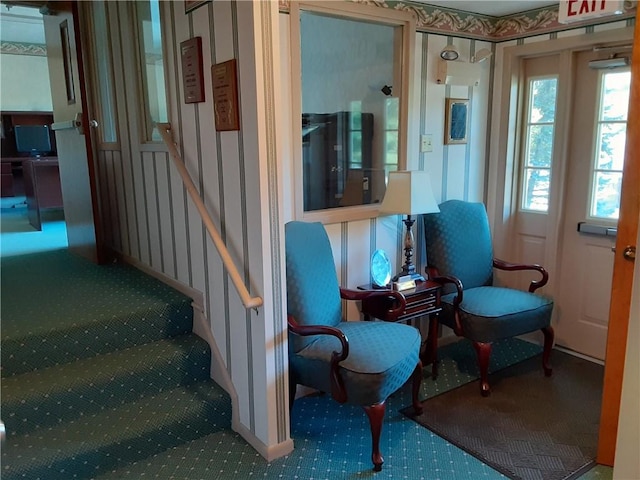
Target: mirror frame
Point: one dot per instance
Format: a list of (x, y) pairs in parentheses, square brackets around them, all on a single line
[(403, 77)]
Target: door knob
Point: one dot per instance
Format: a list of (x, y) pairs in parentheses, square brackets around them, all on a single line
[(629, 253), (93, 123)]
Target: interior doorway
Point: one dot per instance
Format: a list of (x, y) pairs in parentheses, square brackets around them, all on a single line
[(53, 28), (31, 202)]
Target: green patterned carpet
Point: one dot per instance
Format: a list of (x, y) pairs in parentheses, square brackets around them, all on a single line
[(103, 379), (99, 368)]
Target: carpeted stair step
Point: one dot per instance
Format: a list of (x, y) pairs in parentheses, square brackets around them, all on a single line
[(89, 310), (55, 395), (223, 454), (110, 439), (102, 329)]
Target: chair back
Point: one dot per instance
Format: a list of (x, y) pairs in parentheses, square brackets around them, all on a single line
[(313, 292), (459, 242)]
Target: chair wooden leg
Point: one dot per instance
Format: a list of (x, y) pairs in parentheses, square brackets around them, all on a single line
[(417, 381), (431, 347), (483, 350), (376, 415), (548, 345), (292, 390)]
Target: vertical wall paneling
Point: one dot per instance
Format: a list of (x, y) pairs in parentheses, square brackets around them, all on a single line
[(482, 195), (165, 214), (151, 201), (133, 104), (112, 194), (275, 344), (423, 55), (107, 219), (147, 187), (357, 252), (218, 296), (285, 112), (122, 204), (435, 102), (242, 185), (158, 162), (471, 127), (117, 16), (178, 190)]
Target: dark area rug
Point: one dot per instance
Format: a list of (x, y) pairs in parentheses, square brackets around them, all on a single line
[(531, 426)]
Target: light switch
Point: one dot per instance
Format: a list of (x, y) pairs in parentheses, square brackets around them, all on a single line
[(425, 143)]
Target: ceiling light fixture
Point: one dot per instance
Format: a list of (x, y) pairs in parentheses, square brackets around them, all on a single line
[(449, 53)]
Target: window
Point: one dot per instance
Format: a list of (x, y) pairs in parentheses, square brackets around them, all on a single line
[(150, 44), (351, 76), (610, 143), (538, 148)]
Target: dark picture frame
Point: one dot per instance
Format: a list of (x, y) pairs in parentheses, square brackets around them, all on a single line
[(456, 117), (224, 78), (191, 5), (192, 70)]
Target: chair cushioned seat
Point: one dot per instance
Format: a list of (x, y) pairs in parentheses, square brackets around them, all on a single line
[(489, 313), (382, 356)]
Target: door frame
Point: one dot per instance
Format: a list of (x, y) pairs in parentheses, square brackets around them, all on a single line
[(623, 270), (503, 170)]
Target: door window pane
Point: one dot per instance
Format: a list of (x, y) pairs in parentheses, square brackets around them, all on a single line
[(150, 40), (104, 76), (611, 134), (538, 148)]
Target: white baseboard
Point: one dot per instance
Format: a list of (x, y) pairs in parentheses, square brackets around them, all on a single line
[(270, 453)]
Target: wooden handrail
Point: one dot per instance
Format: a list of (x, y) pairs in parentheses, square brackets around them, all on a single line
[(247, 299)]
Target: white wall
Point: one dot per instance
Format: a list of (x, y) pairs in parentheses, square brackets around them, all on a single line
[(245, 179), (24, 83)]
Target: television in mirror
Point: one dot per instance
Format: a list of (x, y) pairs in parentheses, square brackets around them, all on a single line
[(33, 139)]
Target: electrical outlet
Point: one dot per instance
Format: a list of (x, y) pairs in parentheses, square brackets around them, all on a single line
[(426, 143)]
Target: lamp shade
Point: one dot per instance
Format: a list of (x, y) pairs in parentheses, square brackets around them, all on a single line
[(409, 193)]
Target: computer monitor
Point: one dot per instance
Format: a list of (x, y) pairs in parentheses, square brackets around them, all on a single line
[(33, 139)]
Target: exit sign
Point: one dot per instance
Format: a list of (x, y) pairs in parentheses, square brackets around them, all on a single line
[(578, 10)]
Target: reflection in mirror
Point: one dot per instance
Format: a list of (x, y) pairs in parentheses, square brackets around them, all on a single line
[(350, 88)]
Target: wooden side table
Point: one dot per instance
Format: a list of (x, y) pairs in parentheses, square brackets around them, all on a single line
[(422, 301)]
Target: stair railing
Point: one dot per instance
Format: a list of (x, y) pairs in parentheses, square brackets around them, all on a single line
[(245, 296)]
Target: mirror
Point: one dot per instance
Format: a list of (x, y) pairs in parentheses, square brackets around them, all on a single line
[(352, 104)]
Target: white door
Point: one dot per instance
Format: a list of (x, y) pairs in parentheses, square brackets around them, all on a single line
[(591, 204), (77, 175)]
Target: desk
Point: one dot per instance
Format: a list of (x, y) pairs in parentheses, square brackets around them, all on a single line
[(424, 300), (41, 187)]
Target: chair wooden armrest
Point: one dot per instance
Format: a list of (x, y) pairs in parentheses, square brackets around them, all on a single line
[(392, 313), (338, 391), (502, 265), (457, 300)]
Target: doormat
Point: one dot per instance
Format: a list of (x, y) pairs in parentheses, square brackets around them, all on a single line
[(531, 426)]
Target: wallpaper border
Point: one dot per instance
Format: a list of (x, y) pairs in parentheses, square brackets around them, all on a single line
[(447, 21)]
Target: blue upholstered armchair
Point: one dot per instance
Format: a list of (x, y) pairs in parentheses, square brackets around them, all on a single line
[(358, 362), (460, 256)]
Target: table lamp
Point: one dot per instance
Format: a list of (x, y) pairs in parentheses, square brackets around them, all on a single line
[(408, 193)]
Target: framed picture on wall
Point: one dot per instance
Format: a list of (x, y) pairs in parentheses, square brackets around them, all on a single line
[(190, 5), (456, 121)]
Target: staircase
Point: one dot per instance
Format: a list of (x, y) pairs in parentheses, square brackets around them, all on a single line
[(100, 369)]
